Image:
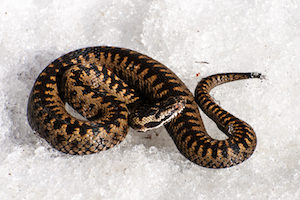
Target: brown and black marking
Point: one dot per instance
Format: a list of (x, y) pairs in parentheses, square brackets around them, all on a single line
[(105, 84)]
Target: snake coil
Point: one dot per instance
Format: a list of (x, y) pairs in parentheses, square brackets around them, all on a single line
[(113, 87)]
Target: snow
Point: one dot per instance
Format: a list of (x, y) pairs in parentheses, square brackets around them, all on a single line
[(189, 37)]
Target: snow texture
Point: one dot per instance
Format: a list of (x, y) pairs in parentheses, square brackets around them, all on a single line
[(190, 37)]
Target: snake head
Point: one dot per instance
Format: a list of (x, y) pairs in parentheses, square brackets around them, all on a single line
[(153, 116)]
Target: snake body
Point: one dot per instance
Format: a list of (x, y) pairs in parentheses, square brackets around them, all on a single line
[(117, 81)]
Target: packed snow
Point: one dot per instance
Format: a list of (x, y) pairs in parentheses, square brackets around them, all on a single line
[(190, 37)]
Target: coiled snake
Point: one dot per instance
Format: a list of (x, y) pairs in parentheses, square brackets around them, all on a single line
[(112, 87)]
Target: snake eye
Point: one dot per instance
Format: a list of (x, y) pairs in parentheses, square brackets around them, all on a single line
[(152, 112), (74, 93)]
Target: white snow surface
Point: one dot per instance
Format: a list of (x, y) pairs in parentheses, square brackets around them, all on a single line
[(190, 37)]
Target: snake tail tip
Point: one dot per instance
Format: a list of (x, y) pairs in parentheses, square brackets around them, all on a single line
[(258, 75)]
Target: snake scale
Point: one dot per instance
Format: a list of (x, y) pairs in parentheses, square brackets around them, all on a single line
[(112, 87)]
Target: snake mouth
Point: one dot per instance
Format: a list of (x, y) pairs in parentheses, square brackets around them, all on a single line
[(155, 116)]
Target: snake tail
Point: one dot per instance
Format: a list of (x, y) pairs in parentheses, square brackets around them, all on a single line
[(241, 139)]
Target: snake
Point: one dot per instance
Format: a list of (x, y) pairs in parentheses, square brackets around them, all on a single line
[(116, 88)]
